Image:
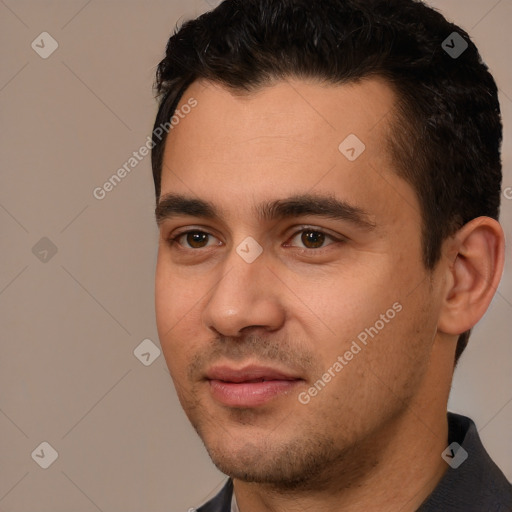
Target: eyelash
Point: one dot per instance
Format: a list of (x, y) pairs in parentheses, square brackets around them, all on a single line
[(174, 239)]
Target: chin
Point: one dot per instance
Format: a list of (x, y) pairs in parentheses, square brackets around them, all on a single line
[(280, 463)]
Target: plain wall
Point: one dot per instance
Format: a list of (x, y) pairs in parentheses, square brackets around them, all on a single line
[(68, 374)]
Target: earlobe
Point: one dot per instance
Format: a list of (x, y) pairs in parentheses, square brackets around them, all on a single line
[(477, 253)]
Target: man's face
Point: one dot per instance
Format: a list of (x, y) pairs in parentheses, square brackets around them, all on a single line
[(252, 338)]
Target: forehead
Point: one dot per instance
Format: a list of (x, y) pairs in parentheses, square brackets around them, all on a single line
[(291, 138), (289, 112)]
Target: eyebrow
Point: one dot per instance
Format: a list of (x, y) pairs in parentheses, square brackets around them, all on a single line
[(176, 205)]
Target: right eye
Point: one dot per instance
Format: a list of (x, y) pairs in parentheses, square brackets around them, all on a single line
[(194, 239)]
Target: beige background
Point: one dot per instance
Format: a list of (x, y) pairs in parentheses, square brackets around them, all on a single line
[(68, 375)]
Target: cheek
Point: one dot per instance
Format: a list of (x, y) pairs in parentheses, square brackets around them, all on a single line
[(175, 297), (175, 310), (372, 307), (165, 300), (345, 303)]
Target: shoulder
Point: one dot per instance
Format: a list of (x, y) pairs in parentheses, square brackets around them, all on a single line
[(473, 482)]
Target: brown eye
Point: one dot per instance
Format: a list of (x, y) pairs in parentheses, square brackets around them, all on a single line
[(312, 239), (193, 239), (197, 239)]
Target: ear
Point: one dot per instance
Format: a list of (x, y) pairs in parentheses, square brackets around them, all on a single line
[(476, 257)]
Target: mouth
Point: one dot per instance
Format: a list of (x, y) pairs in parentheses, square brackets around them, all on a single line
[(251, 386)]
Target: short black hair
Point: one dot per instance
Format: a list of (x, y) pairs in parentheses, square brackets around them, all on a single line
[(446, 129)]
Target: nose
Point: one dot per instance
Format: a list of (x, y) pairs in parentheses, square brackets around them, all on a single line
[(247, 295)]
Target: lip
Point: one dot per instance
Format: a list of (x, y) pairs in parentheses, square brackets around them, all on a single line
[(250, 386), (248, 373)]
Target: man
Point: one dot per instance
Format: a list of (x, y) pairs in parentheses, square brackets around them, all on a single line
[(328, 180)]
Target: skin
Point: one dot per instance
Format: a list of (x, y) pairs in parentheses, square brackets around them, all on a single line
[(371, 439)]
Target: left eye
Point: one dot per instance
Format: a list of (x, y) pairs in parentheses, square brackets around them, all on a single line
[(312, 238)]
